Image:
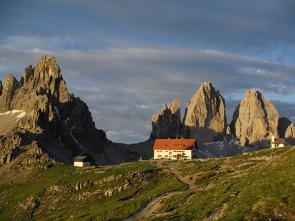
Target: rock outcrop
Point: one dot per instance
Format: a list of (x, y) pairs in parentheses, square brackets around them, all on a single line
[(254, 120), (59, 123), (9, 87), (167, 123), (205, 116), (286, 130)]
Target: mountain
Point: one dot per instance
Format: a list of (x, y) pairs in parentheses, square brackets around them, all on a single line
[(167, 123), (40, 116), (255, 120), (205, 116), (286, 130)]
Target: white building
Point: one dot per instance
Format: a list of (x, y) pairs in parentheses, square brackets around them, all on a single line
[(81, 161), (175, 149), (279, 142)]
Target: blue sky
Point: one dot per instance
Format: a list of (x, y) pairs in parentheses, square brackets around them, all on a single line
[(127, 58)]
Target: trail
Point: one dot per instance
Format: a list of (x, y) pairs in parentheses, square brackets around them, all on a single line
[(151, 207)]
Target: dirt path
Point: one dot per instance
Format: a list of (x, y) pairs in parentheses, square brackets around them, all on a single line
[(151, 208)]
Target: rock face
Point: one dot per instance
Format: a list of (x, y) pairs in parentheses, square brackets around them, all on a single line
[(167, 123), (286, 130), (59, 123), (205, 117), (10, 86), (254, 120)]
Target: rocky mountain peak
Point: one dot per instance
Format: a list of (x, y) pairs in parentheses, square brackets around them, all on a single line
[(46, 67), (9, 87), (174, 106), (46, 78), (286, 130), (10, 83), (28, 75), (205, 117), (255, 119), (207, 86), (167, 123), (253, 93), (60, 123)]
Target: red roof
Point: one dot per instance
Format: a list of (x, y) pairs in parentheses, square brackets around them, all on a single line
[(279, 141), (174, 144)]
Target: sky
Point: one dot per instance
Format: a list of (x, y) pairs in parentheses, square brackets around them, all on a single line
[(126, 59)]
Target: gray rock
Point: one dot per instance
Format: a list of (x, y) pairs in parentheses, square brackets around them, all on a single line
[(255, 120), (205, 116), (78, 186), (28, 75), (286, 130), (167, 123), (108, 193), (9, 87), (60, 122)]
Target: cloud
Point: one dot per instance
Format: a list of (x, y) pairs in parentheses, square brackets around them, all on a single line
[(126, 59), (124, 87), (264, 27)]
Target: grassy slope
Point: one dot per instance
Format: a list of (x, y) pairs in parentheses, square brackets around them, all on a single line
[(254, 186), (52, 194)]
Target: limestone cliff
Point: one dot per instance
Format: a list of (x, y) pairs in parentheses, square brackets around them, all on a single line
[(286, 130), (167, 123), (205, 116), (52, 119), (255, 120)]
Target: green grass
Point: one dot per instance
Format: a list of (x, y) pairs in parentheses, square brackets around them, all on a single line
[(64, 205), (256, 186)]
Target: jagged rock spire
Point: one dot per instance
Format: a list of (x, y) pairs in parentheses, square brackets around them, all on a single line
[(167, 123), (286, 130), (46, 67), (9, 87), (205, 117), (28, 75), (61, 122), (255, 120)]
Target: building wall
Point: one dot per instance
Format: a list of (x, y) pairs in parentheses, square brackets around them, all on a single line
[(81, 164), (175, 154), (274, 145)]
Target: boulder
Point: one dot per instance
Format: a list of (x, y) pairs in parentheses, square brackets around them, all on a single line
[(205, 116), (167, 123), (255, 120)]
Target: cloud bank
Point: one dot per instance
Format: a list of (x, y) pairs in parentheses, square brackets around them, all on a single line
[(127, 58)]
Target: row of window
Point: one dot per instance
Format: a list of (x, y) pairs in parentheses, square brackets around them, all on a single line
[(177, 151), (174, 156)]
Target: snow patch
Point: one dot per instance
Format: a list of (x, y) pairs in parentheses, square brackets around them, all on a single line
[(18, 113)]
